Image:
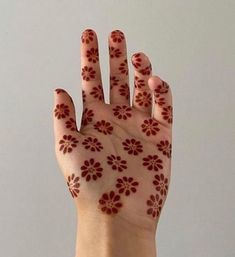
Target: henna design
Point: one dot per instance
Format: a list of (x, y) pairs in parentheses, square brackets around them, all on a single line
[(116, 163), (146, 71), (114, 52), (167, 114), (161, 184), (71, 124), (113, 81), (124, 90), (88, 73), (103, 127), (122, 112), (73, 185), (110, 203), (88, 36), (132, 146), (139, 83), (161, 89), (91, 170), (153, 162), (68, 143), (160, 101), (123, 67), (87, 116), (92, 144), (61, 111), (136, 60), (150, 127), (144, 99), (60, 90), (117, 36), (165, 147), (83, 96), (126, 185), (97, 92), (93, 55), (154, 204)]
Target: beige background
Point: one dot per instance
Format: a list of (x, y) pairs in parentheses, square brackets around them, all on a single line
[(191, 45)]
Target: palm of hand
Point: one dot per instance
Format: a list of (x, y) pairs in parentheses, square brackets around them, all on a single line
[(119, 161)]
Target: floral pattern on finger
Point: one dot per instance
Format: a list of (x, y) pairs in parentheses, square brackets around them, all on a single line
[(59, 90), (124, 91), (139, 83), (61, 111), (113, 81), (71, 124), (132, 146), (143, 99), (87, 116), (117, 163), (91, 170), (126, 185), (92, 55), (73, 185), (146, 71), (117, 36), (161, 89), (67, 143), (167, 114), (123, 68), (136, 60), (97, 92), (153, 162), (88, 36), (92, 144), (88, 73), (114, 52), (110, 203)]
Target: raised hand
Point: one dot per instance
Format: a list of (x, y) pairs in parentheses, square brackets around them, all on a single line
[(117, 164)]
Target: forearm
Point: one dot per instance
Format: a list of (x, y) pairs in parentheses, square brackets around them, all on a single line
[(102, 236)]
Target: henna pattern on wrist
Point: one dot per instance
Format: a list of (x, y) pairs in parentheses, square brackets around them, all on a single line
[(161, 184), (154, 204), (73, 185), (110, 203)]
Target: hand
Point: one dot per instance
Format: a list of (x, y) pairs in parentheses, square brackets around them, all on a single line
[(117, 165)]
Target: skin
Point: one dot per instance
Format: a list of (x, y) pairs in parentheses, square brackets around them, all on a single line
[(128, 227)]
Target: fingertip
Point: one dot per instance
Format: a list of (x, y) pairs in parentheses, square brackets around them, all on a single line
[(154, 82)]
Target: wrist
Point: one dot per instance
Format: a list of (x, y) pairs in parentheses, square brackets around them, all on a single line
[(107, 236)]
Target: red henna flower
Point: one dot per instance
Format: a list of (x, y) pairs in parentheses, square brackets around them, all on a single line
[(132, 146), (161, 184), (83, 96), (152, 162), (92, 144), (88, 73), (146, 71), (61, 111), (114, 52), (126, 185), (92, 55), (150, 127), (167, 114), (88, 36), (103, 127), (60, 90), (161, 89), (71, 124), (122, 112), (117, 36), (68, 143), (73, 184), (136, 60), (143, 99), (124, 90), (139, 83), (110, 203), (123, 67), (165, 147), (116, 163), (113, 81), (91, 170), (97, 92), (154, 205), (160, 101), (87, 116)]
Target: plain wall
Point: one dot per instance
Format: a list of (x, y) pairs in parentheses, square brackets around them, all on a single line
[(191, 45)]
